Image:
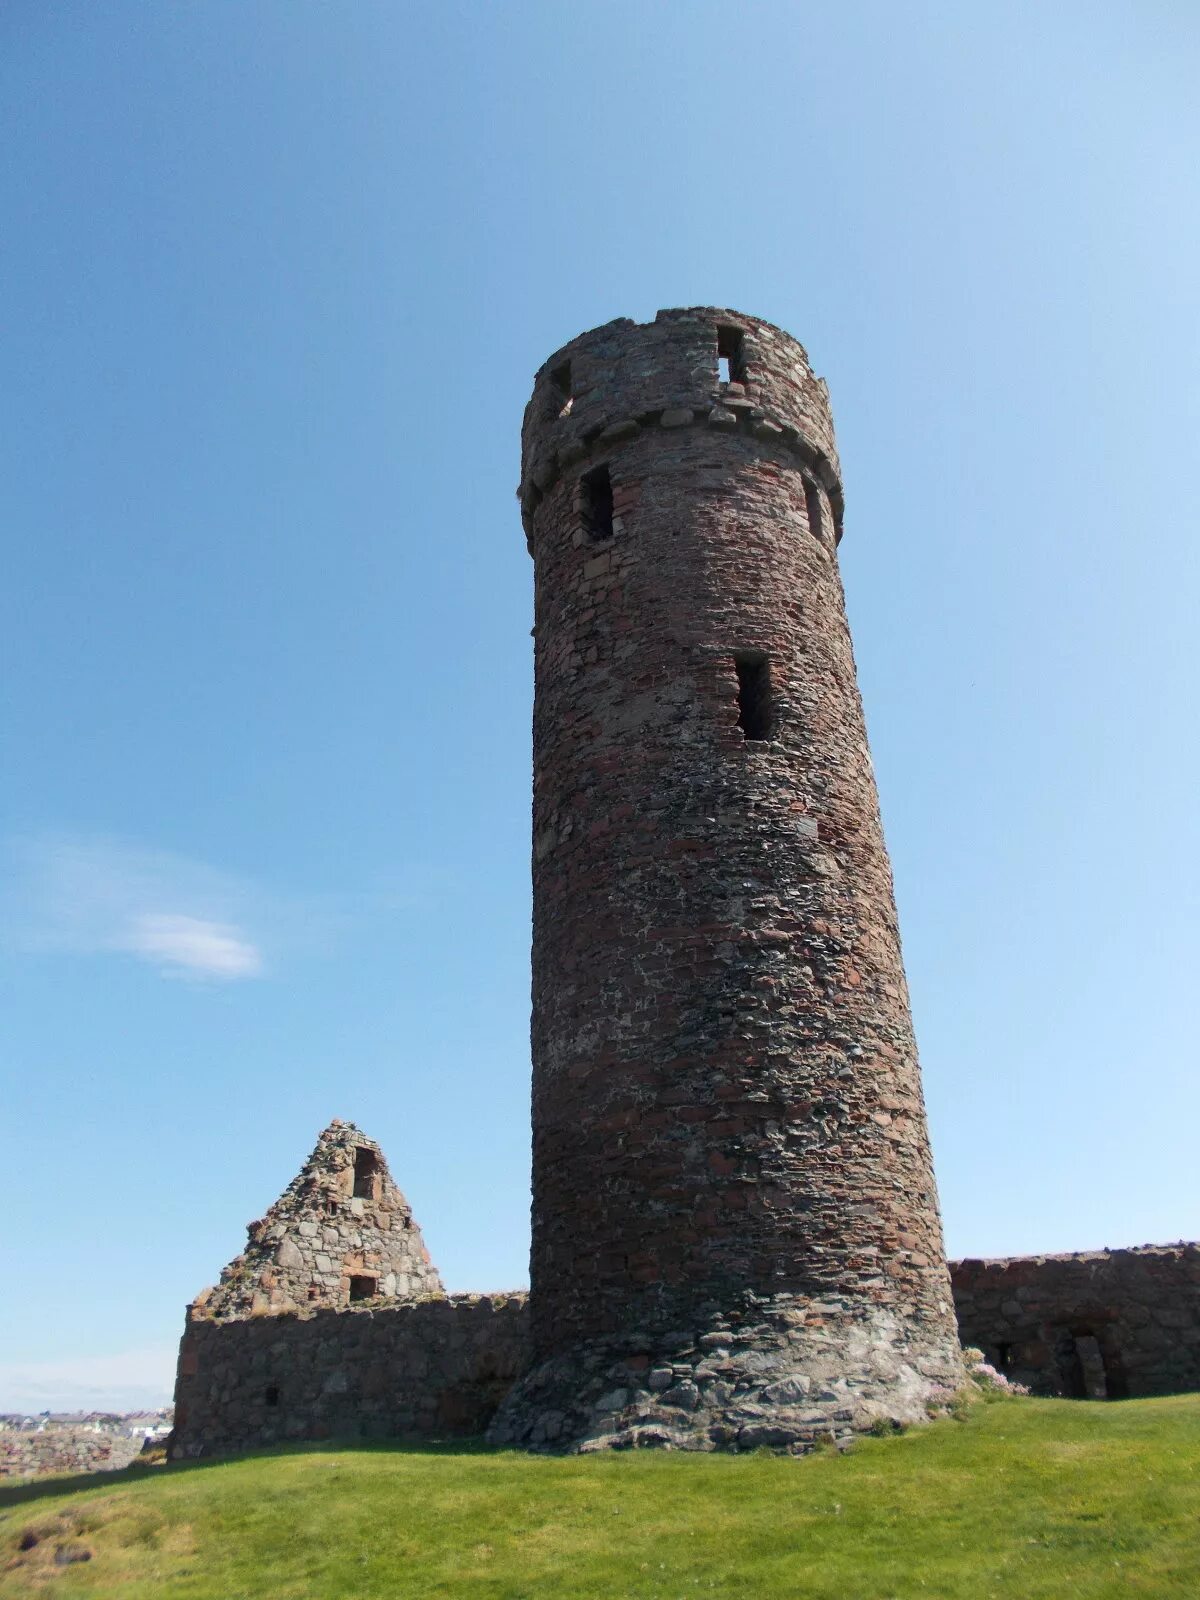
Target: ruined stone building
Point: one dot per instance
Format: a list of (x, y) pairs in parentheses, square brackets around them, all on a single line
[(736, 1238), (334, 1322), (340, 1232), (296, 1342)]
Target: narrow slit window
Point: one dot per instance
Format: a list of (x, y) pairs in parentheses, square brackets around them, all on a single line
[(812, 505), (366, 1164), (731, 355), (363, 1286), (560, 379), (754, 694), (597, 507), (271, 1394)]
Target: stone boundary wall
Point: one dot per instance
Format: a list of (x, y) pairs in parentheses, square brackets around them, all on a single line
[(59, 1452), (425, 1369), (1098, 1324)]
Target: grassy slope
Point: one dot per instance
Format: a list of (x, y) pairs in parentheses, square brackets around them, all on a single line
[(1026, 1498)]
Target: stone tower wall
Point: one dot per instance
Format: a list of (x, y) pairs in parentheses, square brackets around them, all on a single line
[(727, 1111)]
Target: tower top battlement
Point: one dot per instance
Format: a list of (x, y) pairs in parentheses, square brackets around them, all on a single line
[(696, 366)]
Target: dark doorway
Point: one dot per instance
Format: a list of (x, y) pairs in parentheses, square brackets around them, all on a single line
[(1082, 1367), (1069, 1367)]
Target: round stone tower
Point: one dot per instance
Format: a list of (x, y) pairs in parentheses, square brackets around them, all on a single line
[(736, 1237)]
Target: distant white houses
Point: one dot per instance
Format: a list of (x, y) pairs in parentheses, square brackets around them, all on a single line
[(125, 1424)]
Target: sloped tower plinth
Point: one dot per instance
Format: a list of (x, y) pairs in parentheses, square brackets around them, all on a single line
[(736, 1237)]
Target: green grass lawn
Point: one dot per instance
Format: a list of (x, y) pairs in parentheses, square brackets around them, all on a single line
[(1025, 1498)]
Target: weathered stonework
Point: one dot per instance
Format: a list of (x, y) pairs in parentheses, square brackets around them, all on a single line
[(434, 1367), (60, 1452), (735, 1228), (1093, 1326), (736, 1239), (1098, 1324), (341, 1231)]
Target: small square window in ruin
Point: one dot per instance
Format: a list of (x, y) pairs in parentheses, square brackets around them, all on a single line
[(271, 1394), (596, 495), (363, 1286), (731, 355), (366, 1164), (755, 715), (812, 505)]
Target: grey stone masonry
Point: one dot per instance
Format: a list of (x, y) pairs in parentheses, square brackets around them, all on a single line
[(258, 1366), (341, 1232), (428, 1369), (1096, 1324)]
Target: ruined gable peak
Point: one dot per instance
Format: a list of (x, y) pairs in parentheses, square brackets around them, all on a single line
[(340, 1233)]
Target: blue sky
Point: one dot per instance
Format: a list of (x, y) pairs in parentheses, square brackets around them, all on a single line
[(275, 279)]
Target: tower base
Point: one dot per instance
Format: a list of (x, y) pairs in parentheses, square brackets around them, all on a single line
[(788, 1373)]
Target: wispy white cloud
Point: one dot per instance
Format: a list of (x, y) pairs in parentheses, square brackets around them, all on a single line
[(100, 896), (123, 1382), (193, 945)]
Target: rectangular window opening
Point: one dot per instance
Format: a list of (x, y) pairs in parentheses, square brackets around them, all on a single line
[(731, 355), (363, 1286), (754, 693), (597, 504), (366, 1164), (271, 1394), (812, 505)]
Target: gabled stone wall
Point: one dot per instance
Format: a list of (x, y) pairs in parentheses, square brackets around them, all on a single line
[(341, 1231)]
